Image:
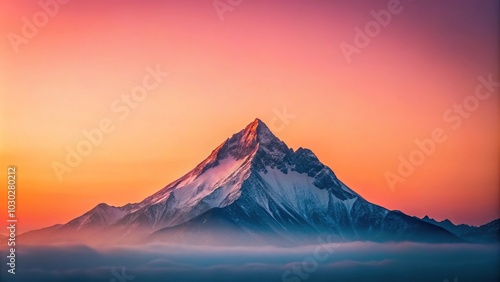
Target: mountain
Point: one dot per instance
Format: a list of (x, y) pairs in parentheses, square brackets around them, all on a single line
[(252, 189), (486, 233)]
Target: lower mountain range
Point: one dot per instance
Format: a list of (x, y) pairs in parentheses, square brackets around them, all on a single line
[(487, 233), (255, 190)]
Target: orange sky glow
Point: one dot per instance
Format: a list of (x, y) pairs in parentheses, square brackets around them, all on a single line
[(358, 117)]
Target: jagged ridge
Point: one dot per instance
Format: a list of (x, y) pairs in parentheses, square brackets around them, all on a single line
[(262, 189)]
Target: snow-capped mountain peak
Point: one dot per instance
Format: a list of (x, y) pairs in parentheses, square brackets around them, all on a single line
[(255, 136), (253, 184), (257, 131)]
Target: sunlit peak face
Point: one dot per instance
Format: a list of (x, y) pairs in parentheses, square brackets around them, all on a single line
[(281, 62)]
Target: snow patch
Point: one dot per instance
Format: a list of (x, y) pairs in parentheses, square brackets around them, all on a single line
[(296, 190)]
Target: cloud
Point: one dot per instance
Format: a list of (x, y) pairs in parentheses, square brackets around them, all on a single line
[(333, 262)]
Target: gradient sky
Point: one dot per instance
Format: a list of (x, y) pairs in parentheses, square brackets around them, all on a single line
[(358, 117)]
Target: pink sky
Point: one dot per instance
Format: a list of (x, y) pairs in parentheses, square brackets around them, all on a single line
[(358, 117)]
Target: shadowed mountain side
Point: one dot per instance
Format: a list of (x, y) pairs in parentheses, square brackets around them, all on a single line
[(252, 189), (487, 233)]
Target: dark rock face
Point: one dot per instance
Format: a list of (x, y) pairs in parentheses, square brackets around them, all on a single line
[(487, 233), (254, 188)]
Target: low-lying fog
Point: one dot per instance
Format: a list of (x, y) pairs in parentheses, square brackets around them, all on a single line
[(360, 261)]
